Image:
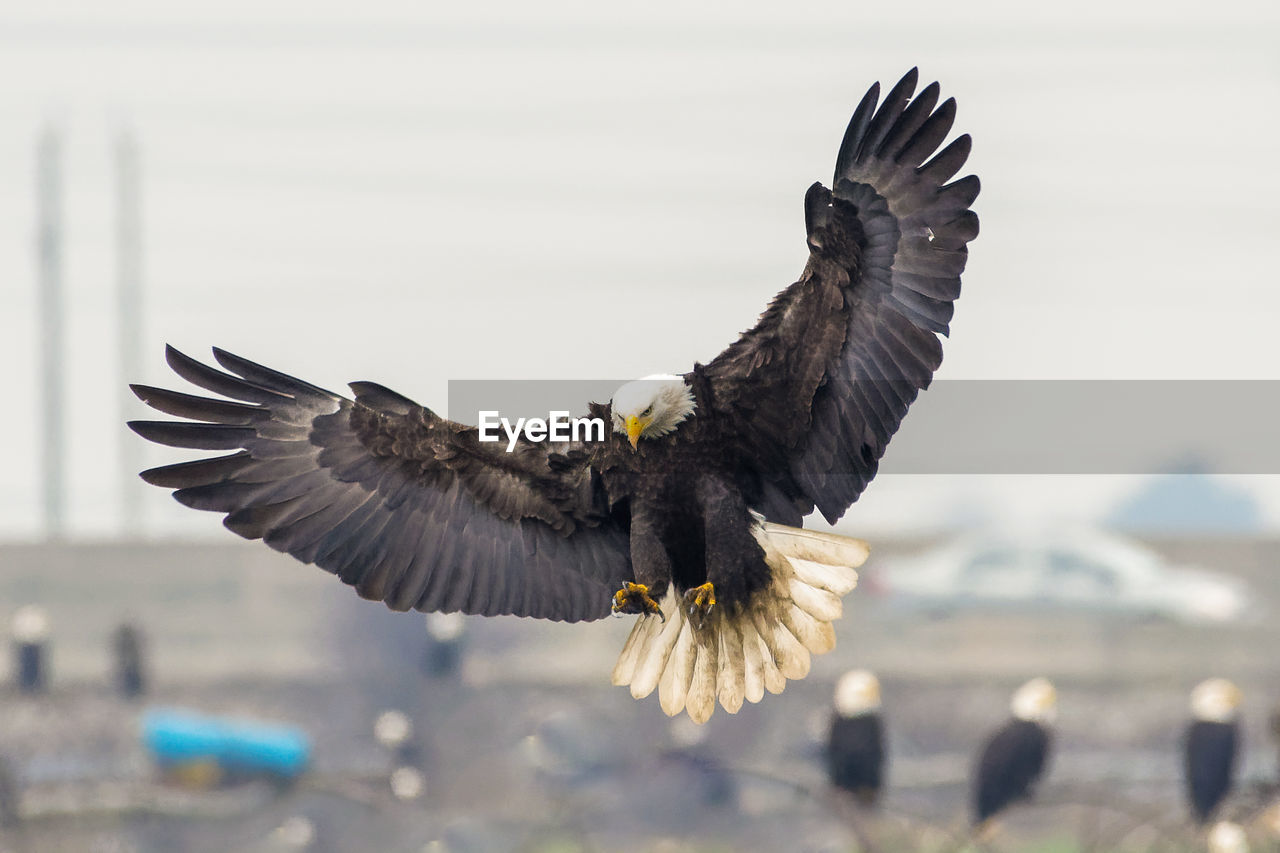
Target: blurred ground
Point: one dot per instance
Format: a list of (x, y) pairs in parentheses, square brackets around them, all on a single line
[(531, 748)]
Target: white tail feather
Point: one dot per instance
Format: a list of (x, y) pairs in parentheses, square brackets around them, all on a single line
[(753, 669), (654, 655), (625, 669), (791, 657), (828, 549), (737, 657), (808, 629), (818, 602), (673, 689), (731, 676), (702, 689), (837, 579), (774, 680)]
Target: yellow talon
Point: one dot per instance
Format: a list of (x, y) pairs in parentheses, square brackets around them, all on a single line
[(635, 598), (699, 600)]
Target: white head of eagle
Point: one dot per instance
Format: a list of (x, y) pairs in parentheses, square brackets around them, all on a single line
[(651, 407), (1216, 700), (1036, 702), (857, 694)]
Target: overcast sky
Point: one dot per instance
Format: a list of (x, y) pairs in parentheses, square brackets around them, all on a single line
[(414, 192)]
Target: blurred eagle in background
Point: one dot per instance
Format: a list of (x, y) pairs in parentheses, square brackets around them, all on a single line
[(688, 513)]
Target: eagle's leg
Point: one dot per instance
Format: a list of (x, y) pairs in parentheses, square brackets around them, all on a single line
[(734, 560), (652, 568)]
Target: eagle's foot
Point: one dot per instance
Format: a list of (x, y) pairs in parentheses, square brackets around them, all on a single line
[(698, 602), (635, 598)]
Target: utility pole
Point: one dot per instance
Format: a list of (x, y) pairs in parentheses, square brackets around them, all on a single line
[(49, 247), (129, 320)]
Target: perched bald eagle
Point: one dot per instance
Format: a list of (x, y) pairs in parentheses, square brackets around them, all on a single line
[(688, 512), (1015, 756), (1212, 740), (855, 742)]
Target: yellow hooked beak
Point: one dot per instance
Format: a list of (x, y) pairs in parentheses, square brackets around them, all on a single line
[(635, 426)]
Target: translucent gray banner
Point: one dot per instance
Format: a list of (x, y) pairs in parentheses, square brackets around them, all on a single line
[(1012, 426)]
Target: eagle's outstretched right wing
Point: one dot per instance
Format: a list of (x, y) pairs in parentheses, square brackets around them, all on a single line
[(407, 507)]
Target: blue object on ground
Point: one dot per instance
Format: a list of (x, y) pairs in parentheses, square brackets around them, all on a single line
[(175, 737)]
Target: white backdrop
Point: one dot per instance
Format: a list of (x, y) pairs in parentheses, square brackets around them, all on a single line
[(413, 192)]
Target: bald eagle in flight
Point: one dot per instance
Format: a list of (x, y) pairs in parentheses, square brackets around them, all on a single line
[(688, 513)]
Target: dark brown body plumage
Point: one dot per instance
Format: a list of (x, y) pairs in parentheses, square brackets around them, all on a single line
[(1011, 763), (413, 510), (1209, 760), (856, 756)]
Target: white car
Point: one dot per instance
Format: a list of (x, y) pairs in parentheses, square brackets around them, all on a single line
[(1084, 570)]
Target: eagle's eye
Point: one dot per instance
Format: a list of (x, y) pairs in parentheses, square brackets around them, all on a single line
[(647, 410)]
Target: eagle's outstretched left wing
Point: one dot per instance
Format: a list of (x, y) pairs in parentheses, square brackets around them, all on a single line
[(812, 394), (407, 507)]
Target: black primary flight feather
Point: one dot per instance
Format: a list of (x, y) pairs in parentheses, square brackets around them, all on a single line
[(1011, 764)]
